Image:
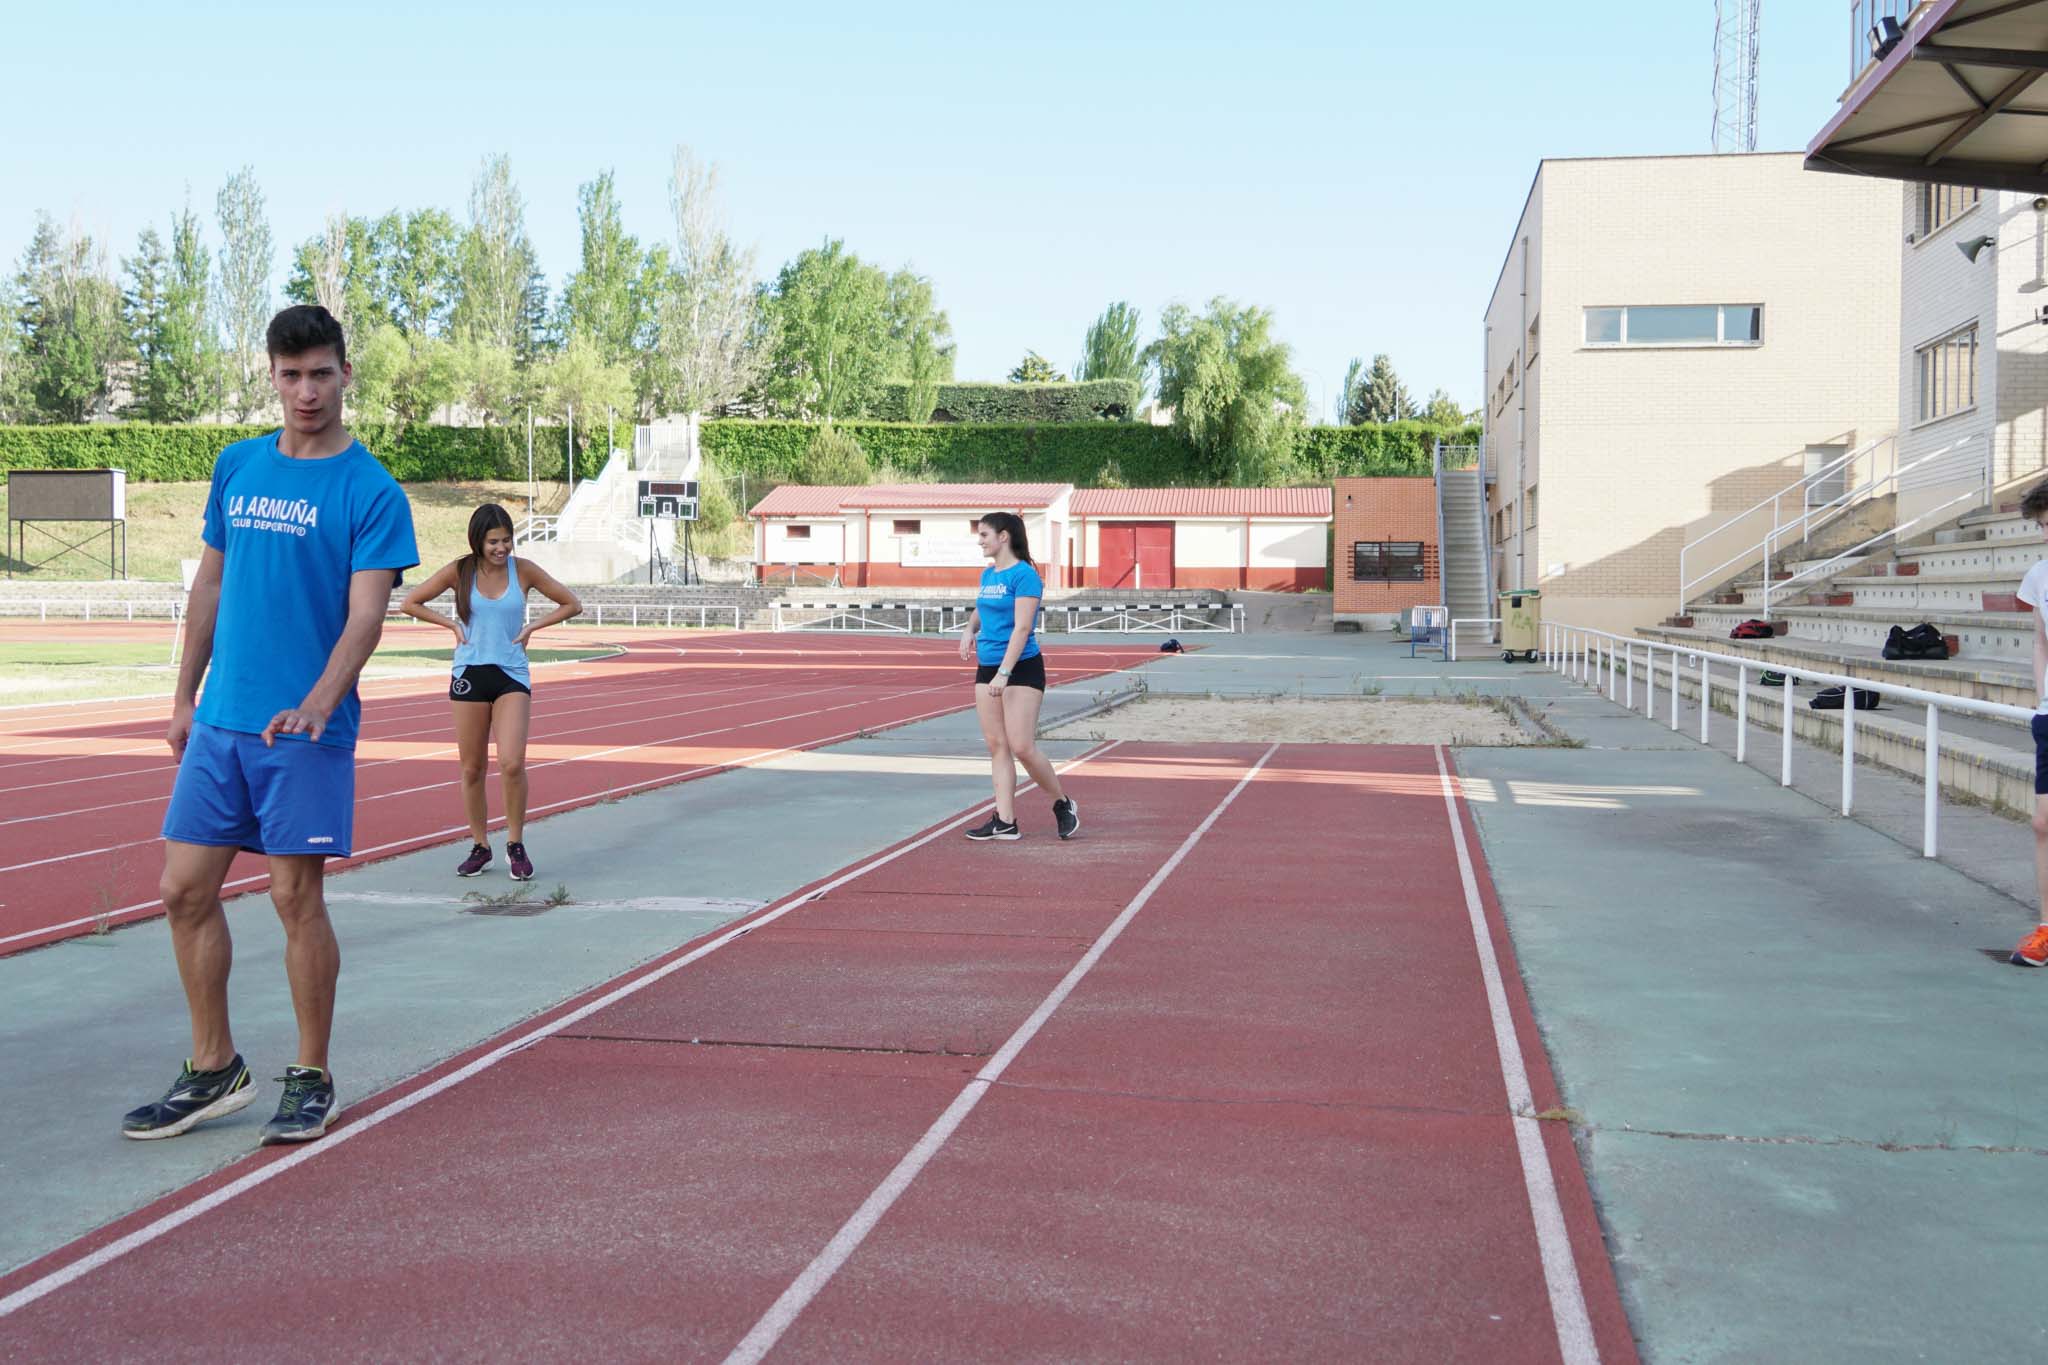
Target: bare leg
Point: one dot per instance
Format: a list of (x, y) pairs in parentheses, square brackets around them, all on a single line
[(473, 743), (2040, 853), (1020, 721), (510, 716), (312, 957), (193, 874), (990, 711)]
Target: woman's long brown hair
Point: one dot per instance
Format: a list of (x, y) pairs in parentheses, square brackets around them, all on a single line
[(486, 519)]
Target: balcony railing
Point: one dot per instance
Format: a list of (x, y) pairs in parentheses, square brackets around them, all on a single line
[(1867, 18)]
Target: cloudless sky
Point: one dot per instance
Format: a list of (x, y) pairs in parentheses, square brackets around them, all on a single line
[(1355, 167)]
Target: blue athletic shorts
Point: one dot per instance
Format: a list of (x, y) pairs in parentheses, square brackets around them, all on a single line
[(295, 797)]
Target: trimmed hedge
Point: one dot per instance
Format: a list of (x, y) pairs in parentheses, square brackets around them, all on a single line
[(185, 454), (1094, 400), (1379, 450), (1063, 452), (1092, 455), (1088, 454)]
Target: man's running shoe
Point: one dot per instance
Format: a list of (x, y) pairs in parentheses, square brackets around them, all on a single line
[(479, 858), (995, 828), (193, 1098), (2033, 949), (1067, 815), (306, 1108), (522, 866)]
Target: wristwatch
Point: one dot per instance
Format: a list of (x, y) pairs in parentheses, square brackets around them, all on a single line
[(1002, 673)]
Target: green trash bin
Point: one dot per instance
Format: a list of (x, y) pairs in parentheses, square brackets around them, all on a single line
[(1521, 624)]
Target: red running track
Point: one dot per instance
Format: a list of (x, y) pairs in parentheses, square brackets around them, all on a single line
[(1207, 1082), (83, 787)]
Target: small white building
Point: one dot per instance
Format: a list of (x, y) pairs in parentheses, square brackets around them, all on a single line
[(1143, 539)]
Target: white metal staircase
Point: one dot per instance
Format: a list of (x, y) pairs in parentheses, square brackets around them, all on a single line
[(1462, 548)]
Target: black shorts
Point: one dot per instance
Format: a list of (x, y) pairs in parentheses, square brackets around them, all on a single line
[(2040, 729), (485, 683), (1028, 673)]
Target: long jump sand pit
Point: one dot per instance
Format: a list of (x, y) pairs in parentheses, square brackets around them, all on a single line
[(1303, 720)]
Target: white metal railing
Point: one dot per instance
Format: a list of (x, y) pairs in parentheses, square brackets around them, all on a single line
[(1139, 618), (529, 529), (1811, 517), (1864, 16), (94, 609), (1598, 656)]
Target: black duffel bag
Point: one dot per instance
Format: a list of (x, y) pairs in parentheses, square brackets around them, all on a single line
[(1830, 699)]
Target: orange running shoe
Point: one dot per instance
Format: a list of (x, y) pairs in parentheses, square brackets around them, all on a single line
[(2033, 949)]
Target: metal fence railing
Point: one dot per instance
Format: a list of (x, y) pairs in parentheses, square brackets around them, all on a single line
[(1609, 661)]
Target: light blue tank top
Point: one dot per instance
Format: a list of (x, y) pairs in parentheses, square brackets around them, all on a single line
[(494, 626)]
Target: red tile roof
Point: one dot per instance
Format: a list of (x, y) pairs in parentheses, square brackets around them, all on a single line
[(799, 500), (1200, 502)]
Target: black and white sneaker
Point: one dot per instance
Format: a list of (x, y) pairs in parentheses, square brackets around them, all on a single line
[(193, 1098), (995, 828), (1066, 813), (306, 1108)]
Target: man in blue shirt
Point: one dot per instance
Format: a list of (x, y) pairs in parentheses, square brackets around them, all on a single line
[(306, 535)]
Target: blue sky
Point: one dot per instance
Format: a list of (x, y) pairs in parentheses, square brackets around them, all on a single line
[(1356, 168)]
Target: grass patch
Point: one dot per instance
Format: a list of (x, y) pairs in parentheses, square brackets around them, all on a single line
[(164, 518)]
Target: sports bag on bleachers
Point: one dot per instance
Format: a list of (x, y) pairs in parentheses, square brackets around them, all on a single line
[(1921, 642), (1830, 699), (1753, 630)]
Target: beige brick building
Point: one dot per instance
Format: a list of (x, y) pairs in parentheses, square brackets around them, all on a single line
[(1670, 340)]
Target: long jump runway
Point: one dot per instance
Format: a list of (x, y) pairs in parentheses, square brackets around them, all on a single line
[(1244, 1071), (83, 787)]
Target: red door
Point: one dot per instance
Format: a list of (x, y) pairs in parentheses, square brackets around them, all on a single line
[(1137, 554)]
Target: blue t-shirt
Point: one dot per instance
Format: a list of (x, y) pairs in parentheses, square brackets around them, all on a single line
[(292, 532), (997, 604)]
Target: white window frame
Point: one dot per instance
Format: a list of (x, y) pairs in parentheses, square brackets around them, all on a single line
[(1720, 329), (1926, 357)]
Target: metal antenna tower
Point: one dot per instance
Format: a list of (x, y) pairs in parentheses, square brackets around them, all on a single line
[(1737, 28)]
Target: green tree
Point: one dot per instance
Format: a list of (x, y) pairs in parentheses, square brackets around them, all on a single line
[(489, 381), (416, 270), (70, 324), (579, 375), (1235, 397), (403, 377), (1035, 369), (1382, 397), (14, 399), (339, 270), (1347, 397), (496, 269), (828, 312), (243, 299), (833, 457), (1443, 411), (184, 373), (599, 299), (710, 314), (143, 304), (1112, 350), (921, 347)]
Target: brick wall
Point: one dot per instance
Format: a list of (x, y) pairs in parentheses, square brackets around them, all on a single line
[(1384, 509)]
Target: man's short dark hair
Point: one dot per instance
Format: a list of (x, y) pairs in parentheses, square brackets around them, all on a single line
[(306, 327), (2035, 504)]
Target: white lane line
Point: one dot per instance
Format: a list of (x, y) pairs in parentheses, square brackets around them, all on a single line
[(785, 1310), (150, 1232), (1560, 1272)]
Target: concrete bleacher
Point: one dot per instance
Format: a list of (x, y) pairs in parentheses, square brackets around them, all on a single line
[(1962, 579)]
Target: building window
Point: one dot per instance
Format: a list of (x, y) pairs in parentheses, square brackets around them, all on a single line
[(1387, 561), (907, 528), (797, 532), (1529, 510), (1684, 324), (1948, 374), (1941, 205)]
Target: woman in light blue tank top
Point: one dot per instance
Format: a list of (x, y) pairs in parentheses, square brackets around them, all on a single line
[(491, 686)]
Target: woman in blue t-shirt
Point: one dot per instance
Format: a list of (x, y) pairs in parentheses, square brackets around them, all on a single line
[(490, 686), (1009, 684)]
